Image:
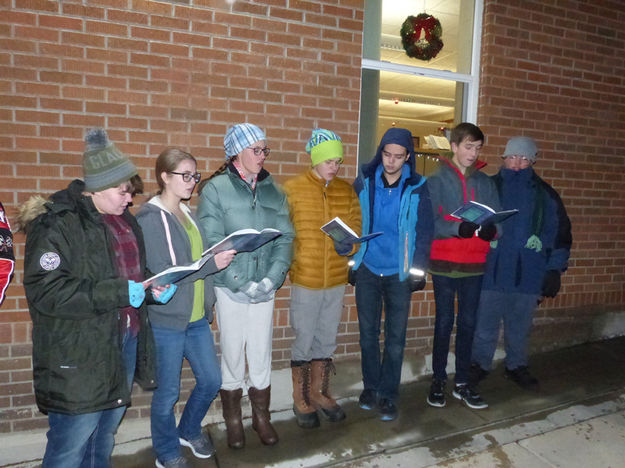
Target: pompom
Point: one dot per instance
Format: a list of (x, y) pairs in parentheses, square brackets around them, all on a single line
[(96, 138)]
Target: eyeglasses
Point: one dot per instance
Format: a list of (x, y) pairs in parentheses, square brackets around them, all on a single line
[(257, 150), (188, 177)]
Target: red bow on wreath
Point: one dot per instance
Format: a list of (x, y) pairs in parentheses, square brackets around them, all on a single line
[(425, 48)]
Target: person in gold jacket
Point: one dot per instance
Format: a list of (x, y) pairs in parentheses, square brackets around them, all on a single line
[(318, 275)]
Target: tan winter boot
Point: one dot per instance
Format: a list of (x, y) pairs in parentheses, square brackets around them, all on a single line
[(231, 407), (305, 413), (261, 419), (320, 392)]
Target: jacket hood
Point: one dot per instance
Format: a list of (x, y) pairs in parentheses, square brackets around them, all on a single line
[(70, 198), (156, 204), (398, 136)]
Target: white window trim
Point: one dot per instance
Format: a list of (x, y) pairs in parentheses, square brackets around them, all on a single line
[(471, 80)]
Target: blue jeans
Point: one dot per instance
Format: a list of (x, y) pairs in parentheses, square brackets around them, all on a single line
[(516, 310), (87, 440), (196, 344), (372, 291), (445, 290)]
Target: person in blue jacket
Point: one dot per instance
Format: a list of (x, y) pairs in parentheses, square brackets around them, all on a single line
[(394, 200), (526, 264)]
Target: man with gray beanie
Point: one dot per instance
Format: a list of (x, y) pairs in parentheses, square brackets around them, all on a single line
[(525, 264), (83, 267)]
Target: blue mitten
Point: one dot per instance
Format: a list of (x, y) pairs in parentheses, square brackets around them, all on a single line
[(165, 296), (136, 294)]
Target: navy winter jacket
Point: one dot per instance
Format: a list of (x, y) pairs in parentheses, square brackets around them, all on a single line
[(518, 264)]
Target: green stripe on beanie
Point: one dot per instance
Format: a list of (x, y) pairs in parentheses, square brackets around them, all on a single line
[(104, 166)]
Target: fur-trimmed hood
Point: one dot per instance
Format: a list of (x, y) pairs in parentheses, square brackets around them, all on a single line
[(69, 199)]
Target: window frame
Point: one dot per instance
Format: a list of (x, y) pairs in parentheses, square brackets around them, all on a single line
[(471, 81)]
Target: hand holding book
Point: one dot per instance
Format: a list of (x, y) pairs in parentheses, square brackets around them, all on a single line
[(477, 213), (344, 236)]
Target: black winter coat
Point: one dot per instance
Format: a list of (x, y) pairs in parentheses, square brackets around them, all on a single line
[(74, 295)]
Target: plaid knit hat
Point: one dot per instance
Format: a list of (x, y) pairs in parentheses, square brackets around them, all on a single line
[(241, 136), (104, 166), (324, 145), (521, 146)]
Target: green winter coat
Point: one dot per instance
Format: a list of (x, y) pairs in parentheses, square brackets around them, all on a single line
[(227, 204), (74, 295)]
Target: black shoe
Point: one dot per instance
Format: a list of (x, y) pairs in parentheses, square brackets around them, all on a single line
[(470, 397), (522, 378), (476, 375), (368, 399), (437, 393), (387, 410)]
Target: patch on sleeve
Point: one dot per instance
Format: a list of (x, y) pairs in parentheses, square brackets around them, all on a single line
[(50, 261)]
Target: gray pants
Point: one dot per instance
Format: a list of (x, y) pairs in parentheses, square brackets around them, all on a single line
[(315, 315)]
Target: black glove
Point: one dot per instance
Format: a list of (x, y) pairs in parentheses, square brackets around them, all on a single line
[(487, 232), (417, 282), (551, 283), (343, 248), (467, 229), (351, 276)]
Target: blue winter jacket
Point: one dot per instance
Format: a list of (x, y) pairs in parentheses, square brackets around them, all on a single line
[(415, 225), (519, 261)]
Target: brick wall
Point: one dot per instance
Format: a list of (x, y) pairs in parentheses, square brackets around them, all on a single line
[(556, 73), (178, 73), (159, 74)]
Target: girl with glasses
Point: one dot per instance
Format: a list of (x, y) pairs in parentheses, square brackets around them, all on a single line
[(181, 327)]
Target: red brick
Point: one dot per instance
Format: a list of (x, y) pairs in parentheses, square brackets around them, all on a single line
[(84, 39), (74, 9), (37, 89), (106, 28), (168, 22), (19, 17), (150, 34), (37, 5), (59, 50), (125, 16), (169, 49), (60, 22), (154, 8)]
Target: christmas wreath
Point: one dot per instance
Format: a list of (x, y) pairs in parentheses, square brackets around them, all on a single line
[(424, 47)]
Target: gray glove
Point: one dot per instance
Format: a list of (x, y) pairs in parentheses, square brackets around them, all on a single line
[(265, 285), (259, 292), (250, 289)]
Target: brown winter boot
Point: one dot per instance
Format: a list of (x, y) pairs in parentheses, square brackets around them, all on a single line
[(320, 392), (231, 405), (260, 415), (305, 413)]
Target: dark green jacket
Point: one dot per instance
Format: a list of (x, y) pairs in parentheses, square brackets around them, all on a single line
[(227, 204), (74, 294)]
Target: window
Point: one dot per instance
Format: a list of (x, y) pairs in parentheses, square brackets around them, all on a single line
[(422, 96)]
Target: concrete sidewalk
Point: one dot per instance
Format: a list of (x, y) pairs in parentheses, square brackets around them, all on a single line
[(577, 419)]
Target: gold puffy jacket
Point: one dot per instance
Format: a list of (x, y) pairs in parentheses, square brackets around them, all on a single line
[(316, 265)]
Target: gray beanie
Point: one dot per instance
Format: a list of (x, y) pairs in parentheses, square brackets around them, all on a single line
[(104, 166), (241, 136), (521, 146)]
